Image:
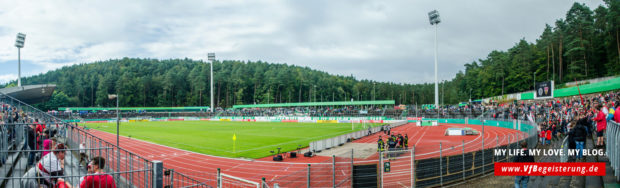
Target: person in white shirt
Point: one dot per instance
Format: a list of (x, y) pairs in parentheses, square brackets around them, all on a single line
[(51, 166)]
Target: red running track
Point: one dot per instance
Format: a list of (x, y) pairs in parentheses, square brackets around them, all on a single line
[(204, 167)]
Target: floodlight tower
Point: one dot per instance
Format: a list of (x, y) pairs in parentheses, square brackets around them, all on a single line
[(433, 17), (19, 43), (211, 58)]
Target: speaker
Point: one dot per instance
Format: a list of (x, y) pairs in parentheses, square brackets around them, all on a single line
[(293, 154), (308, 154), (277, 158)]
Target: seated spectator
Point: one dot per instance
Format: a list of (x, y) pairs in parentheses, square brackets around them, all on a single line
[(51, 166), (47, 144), (83, 156), (98, 179)]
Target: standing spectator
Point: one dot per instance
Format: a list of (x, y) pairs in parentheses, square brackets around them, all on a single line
[(612, 110), (541, 135), (548, 135), (380, 144), (617, 112), (31, 142), (98, 179), (521, 181), (601, 125), (580, 134), (572, 144)]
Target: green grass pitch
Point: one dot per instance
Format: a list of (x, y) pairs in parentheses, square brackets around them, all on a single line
[(254, 139)]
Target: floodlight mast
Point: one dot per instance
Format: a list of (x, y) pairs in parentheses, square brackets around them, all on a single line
[(433, 17), (19, 43), (211, 58)]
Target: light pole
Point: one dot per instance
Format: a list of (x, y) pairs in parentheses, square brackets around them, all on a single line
[(314, 93), (211, 58), (433, 17), (19, 43), (374, 84), (118, 159), (443, 99)]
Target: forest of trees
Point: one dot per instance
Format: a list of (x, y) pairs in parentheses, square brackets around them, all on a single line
[(585, 44)]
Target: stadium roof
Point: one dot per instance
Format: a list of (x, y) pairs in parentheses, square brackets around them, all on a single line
[(340, 103), (30, 94), (193, 108)]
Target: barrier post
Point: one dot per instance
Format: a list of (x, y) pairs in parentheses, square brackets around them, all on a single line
[(334, 171), (483, 164), (463, 154), (308, 176), (171, 178), (158, 175), (219, 178), (440, 166), (352, 167), (381, 168), (412, 166)]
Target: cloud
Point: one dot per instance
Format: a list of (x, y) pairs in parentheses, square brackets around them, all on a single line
[(378, 40), (7, 77)]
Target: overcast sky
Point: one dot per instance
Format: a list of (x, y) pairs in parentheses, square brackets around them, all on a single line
[(378, 40)]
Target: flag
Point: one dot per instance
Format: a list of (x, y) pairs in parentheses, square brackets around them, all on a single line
[(579, 91), (234, 137)]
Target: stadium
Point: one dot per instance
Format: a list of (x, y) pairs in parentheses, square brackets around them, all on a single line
[(168, 123)]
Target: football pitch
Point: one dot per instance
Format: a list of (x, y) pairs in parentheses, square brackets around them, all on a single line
[(253, 139)]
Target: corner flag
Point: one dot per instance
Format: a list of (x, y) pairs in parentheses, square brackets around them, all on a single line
[(234, 142)]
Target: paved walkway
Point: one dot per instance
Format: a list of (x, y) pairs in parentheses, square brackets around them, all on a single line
[(566, 181)]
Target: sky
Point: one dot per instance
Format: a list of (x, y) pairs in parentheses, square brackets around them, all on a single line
[(389, 41)]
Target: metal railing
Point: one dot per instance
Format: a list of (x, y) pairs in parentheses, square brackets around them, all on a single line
[(319, 145), (612, 142), (436, 165), (452, 164), (127, 168)]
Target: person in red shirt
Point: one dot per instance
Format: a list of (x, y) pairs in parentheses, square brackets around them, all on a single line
[(541, 135), (548, 136), (601, 125), (98, 179)]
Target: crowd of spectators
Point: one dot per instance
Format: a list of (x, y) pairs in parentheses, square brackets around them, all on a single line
[(250, 112), (42, 144)]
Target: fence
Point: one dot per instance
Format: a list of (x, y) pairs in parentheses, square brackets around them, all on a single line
[(22, 147), (328, 143), (405, 168), (613, 146)]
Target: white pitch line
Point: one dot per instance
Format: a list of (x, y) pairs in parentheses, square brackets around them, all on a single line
[(425, 129)]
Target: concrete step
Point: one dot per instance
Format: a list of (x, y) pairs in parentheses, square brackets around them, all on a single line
[(18, 171)]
